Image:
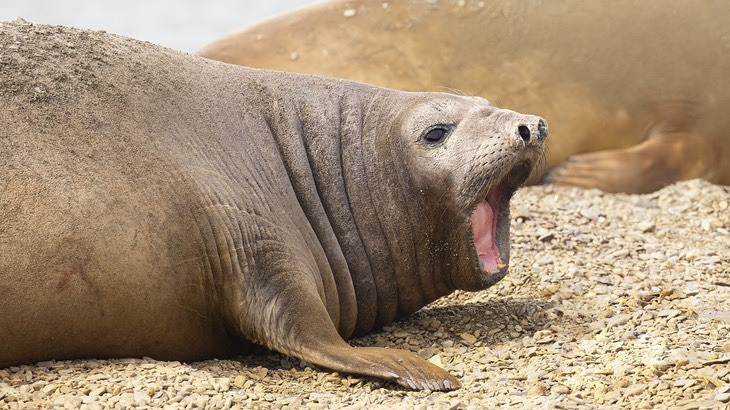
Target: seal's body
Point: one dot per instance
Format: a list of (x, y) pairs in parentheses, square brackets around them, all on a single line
[(636, 92), (160, 204)]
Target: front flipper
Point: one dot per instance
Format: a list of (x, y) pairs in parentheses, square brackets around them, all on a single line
[(303, 329), (646, 167), (400, 366)]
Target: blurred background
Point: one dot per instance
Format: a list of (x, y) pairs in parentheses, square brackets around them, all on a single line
[(181, 24)]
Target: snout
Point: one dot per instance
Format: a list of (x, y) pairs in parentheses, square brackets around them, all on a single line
[(532, 129), (523, 129)]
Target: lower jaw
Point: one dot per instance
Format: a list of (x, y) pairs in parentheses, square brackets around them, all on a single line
[(490, 278), (492, 267)]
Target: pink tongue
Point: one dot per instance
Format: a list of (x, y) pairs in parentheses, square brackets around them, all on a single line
[(483, 224)]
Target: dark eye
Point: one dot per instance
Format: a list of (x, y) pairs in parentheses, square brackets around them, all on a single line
[(436, 134)]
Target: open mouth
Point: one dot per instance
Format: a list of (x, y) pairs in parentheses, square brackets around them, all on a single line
[(490, 223)]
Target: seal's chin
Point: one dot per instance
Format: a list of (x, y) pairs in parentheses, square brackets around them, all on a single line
[(490, 224)]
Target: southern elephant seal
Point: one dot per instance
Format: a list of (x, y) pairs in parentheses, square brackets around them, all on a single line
[(162, 204), (636, 93)]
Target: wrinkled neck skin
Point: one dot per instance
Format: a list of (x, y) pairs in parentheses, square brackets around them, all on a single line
[(345, 162)]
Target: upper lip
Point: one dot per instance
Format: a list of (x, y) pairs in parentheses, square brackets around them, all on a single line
[(510, 181)]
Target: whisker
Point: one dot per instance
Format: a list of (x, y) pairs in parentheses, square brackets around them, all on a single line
[(450, 90)]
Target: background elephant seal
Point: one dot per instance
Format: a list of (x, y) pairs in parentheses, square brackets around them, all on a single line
[(160, 204), (640, 87)]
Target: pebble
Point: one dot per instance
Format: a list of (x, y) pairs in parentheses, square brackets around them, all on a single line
[(634, 390), (537, 389), (437, 360), (50, 388), (561, 389), (618, 320), (468, 338), (683, 383), (646, 226)]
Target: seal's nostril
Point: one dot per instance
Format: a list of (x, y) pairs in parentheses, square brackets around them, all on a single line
[(541, 130), (524, 133)]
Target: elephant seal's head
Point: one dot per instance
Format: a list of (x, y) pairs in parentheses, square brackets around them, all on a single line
[(465, 159)]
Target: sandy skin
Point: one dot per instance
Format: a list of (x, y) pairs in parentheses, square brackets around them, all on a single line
[(160, 204), (636, 93)]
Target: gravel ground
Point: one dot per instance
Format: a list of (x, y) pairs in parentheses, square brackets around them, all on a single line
[(613, 301)]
